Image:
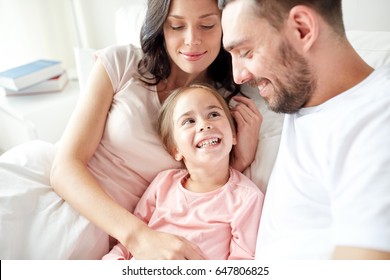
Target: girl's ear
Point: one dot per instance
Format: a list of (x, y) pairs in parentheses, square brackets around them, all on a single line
[(234, 138), (178, 156), (302, 25)]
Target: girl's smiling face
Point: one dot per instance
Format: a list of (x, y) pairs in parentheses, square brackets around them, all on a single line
[(201, 129)]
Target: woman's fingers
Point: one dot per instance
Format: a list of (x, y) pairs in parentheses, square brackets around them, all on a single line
[(165, 246), (250, 107), (248, 119)]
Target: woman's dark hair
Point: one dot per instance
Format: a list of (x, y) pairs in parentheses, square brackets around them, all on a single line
[(156, 60)]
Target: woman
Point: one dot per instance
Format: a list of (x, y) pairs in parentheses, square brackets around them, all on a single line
[(110, 151)]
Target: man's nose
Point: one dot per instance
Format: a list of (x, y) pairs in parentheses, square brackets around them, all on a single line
[(241, 75)]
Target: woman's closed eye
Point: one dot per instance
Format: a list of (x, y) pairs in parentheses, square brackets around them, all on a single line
[(180, 27), (207, 26), (177, 27)]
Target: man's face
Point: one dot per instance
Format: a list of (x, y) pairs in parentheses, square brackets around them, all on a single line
[(265, 59)]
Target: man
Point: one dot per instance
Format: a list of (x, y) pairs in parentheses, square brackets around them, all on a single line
[(329, 193)]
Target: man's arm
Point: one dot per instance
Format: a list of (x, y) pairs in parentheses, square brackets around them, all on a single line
[(355, 253)]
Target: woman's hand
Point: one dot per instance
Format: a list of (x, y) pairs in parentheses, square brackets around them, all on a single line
[(154, 245), (248, 119)]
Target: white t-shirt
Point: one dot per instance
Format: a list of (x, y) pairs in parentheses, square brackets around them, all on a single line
[(331, 182)]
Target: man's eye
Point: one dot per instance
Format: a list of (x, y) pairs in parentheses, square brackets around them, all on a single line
[(244, 53)]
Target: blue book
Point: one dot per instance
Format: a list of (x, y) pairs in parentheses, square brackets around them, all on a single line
[(29, 74), (49, 86)]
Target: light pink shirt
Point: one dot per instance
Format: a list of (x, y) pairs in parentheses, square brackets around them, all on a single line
[(125, 160), (223, 223)]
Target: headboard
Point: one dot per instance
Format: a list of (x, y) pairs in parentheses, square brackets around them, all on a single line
[(96, 19), (102, 23), (366, 15)]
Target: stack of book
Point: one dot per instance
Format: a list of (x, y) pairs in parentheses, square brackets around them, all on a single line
[(39, 76)]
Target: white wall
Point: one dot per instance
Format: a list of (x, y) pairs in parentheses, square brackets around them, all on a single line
[(33, 29)]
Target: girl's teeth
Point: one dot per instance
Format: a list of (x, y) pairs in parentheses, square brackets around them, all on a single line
[(208, 143)]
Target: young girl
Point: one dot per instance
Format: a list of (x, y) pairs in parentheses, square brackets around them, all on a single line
[(208, 203)]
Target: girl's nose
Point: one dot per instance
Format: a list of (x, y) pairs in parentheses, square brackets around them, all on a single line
[(204, 126)]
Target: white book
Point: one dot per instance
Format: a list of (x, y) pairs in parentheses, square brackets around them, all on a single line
[(30, 74), (54, 84)]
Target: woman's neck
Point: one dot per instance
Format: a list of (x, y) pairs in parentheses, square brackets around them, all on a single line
[(176, 80)]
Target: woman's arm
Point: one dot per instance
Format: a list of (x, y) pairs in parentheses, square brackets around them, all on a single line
[(72, 180), (248, 119)]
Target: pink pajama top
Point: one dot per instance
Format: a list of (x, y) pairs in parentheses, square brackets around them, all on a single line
[(223, 222)]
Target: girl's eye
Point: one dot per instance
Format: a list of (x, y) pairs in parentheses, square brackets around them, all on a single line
[(214, 114), (187, 122)]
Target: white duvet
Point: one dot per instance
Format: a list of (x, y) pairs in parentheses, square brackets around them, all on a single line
[(35, 223)]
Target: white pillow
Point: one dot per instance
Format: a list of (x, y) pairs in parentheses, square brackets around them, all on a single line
[(128, 22), (268, 143), (85, 59), (372, 46)]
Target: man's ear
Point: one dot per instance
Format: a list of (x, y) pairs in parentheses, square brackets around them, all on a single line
[(303, 26)]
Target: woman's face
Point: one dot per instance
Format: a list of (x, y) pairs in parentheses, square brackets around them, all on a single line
[(193, 33)]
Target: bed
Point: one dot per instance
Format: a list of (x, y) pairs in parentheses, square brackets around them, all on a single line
[(372, 44)]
